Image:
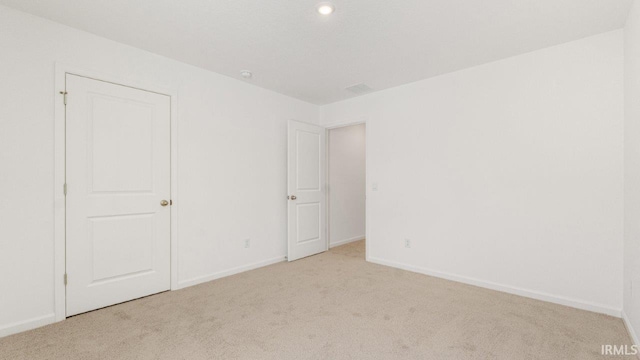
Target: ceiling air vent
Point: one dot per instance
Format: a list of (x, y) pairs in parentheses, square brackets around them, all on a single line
[(359, 89)]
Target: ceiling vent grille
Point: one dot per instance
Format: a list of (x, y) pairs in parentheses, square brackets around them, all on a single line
[(359, 89)]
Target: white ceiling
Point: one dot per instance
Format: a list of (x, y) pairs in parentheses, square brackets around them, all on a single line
[(295, 51)]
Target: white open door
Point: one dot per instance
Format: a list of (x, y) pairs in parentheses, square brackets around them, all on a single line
[(118, 188), (306, 188)]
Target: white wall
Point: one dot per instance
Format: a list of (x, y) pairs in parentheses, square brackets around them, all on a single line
[(632, 172), (232, 161), (347, 184), (507, 175)]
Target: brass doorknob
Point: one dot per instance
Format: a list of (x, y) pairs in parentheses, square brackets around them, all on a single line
[(293, 197), (164, 203)]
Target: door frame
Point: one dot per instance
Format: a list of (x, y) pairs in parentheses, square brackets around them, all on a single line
[(61, 70), (329, 127)]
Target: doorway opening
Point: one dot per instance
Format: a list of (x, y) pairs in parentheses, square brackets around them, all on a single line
[(347, 187), (326, 185)]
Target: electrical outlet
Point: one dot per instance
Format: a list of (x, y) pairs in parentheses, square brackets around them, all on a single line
[(407, 243), (247, 243)]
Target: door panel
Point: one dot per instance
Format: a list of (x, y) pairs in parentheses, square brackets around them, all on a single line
[(306, 186), (308, 161), (118, 172), (308, 221), (127, 164), (122, 245)]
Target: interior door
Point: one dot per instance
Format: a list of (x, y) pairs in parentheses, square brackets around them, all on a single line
[(118, 188), (307, 230)]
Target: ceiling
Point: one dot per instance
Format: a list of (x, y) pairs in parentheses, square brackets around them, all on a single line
[(293, 50)]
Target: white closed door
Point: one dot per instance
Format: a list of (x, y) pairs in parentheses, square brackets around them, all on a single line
[(118, 179), (307, 228)]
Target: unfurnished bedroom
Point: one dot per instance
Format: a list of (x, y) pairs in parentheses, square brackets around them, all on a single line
[(412, 179)]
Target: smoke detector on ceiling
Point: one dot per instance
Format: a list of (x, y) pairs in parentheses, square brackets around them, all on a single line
[(246, 74), (359, 89)]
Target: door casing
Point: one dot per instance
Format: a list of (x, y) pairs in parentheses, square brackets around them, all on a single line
[(61, 70)]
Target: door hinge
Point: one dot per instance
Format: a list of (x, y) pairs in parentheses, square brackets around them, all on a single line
[(64, 97), (65, 278), (64, 189)]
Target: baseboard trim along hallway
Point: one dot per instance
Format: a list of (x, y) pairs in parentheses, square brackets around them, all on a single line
[(346, 241)]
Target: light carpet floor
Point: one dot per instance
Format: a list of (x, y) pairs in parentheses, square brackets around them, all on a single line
[(329, 306)]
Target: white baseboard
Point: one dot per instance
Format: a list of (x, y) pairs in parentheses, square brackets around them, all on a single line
[(578, 304), (632, 332), (346, 241), (25, 325), (229, 272)]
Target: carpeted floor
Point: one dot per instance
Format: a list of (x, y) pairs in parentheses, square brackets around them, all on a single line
[(329, 306)]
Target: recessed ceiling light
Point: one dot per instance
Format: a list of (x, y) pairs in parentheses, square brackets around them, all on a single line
[(246, 74), (325, 8)]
